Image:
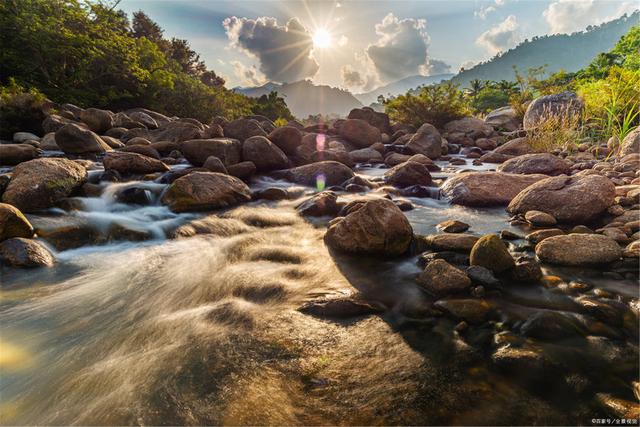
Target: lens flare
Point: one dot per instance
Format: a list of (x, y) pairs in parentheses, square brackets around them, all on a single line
[(320, 141), (321, 182)]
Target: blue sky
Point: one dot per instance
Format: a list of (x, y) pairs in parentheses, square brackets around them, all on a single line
[(359, 44)]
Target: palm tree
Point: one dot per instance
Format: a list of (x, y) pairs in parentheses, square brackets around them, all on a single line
[(475, 86)]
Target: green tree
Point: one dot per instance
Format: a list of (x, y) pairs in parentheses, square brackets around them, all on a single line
[(272, 106)]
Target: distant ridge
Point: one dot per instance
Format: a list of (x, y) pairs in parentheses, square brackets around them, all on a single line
[(400, 87)]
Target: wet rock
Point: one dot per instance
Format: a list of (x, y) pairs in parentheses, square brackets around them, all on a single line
[(420, 191), (138, 140), (452, 226), (526, 270), (321, 204), (205, 191), (359, 133), (242, 170), (134, 195), (540, 219), (618, 408), (471, 310), (73, 139), (144, 150), (449, 242), (132, 163), (440, 278), (144, 118), (97, 120), (504, 118), (341, 307), (287, 138), (374, 118), (242, 129), (197, 151), (509, 235), (569, 199), (408, 173), (41, 183), (175, 131), (542, 163), (524, 363), (13, 223), (490, 252), (372, 226), (632, 250), (328, 172), (552, 325), (486, 188), (214, 164), (366, 155), (264, 154), (48, 142), (13, 154), (539, 235), (21, 252), (560, 104), (426, 141), (579, 249), (23, 137), (515, 147), (482, 276)]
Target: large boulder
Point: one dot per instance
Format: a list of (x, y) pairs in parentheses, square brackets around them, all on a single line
[(171, 131), (408, 173), (287, 138), (366, 155), (578, 249), (199, 191), (41, 183), (359, 133), (504, 118), (12, 154), (328, 173), (515, 147), (375, 226), (242, 129), (467, 127), (486, 188), (132, 163), (197, 151), (73, 139), (13, 223), (320, 204), (374, 118), (630, 144), (27, 253), (575, 199), (264, 154), (97, 120), (440, 278), (560, 104), (543, 163), (490, 252), (427, 141), (144, 118)]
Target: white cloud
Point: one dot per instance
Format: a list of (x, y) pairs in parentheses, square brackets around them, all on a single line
[(503, 36), (248, 76), (468, 64), (343, 40), (567, 16), (351, 78), (483, 12)]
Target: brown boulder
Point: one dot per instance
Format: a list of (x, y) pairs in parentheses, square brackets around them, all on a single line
[(579, 249), (325, 173), (132, 163), (360, 133), (515, 147), (427, 141), (486, 188), (321, 204), (242, 129), (13, 154), (97, 120), (440, 278), (20, 252), (287, 138), (543, 163), (13, 223), (73, 139), (197, 151), (374, 118), (264, 154), (408, 173), (200, 191)]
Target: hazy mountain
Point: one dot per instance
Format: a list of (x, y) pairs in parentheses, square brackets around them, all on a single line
[(569, 52), (305, 98), (400, 87)]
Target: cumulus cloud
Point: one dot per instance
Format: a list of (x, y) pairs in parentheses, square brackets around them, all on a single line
[(343, 40), (351, 77), (501, 37), (401, 49), (483, 12), (248, 76), (436, 66), (567, 16), (284, 51)]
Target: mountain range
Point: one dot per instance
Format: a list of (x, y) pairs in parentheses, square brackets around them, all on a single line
[(401, 86)]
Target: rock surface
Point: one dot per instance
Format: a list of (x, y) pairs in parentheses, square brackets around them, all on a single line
[(408, 173), (264, 154), (490, 252), (197, 151), (426, 141), (565, 103), (20, 252), (486, 188), (440, 278), (13, 223), (200, 191), (538, 163), (359, 132), (73, 139), (579, 249), (132, 163), (13, 154), (328, 172)]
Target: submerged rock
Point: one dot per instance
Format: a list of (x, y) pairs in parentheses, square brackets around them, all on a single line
[(21, 252), (452, 226), (551, 325), (13, 223), (450, 242), (407, 174), (579, 249), (341, 307), (470, 310), (440, 278), (200, 191), (375, 226)]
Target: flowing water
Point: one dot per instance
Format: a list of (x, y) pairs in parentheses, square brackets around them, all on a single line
[(204, 330)]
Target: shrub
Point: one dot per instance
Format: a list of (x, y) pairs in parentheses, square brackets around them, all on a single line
[(436, 105), (21, 110), (488, 99), (557, 130)]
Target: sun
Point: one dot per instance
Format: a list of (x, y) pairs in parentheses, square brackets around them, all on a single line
[(322, 39)]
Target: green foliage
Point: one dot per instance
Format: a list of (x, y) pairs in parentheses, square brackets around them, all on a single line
[(437, 105), (20, 109), (87, 53), (272, 106)]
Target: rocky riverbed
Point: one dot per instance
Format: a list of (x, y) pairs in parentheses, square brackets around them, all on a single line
[(159, 270)]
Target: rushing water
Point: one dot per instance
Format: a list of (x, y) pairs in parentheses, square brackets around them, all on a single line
[(204, 330)]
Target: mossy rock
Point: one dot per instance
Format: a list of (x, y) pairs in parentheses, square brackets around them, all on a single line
[(490, 252)]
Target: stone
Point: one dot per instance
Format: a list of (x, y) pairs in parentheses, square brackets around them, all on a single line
[(21, 252), (426, 141), (200, 191), (540, 219), (143, 150), (486, 188), (132, 163), (13, 154), (48, 142), (407, 174), (537, 163), (197, 151), (374, 118), (515, 147), (342, 307), (287, 138), (375, 226), (138, 140), (242, 170), (144, 118), (526, 270), (73, 139), (359, 133), (452, 226), (41, 183), (490, 252), (560, 105), (468, 127), (264, 154), (242, 129), (504, 118), (450, 242), (319, 174), (579, 249), (98, 121), (173, 132), (630, 143), (320, 204), (575, 199), (473, 311), (366, 155), (440, 278), (552, 325), (13, 223), (539, 235), (482, 276), (214, 164), (22, 137)]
